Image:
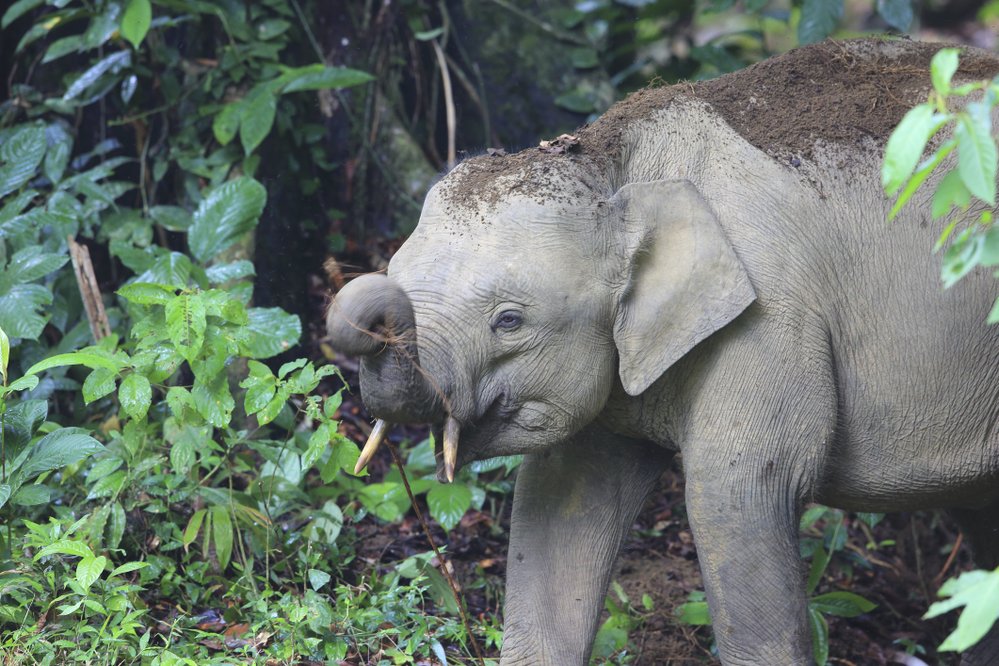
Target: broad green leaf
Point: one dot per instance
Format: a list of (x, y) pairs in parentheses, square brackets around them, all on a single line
[(271, 28), (109, 486), (32, 263), (841, 604), (60, 143), (145, 293), (172, 269), (694, 612), (172, 218), (57, 449), (906, 144), (213, 401), (387, 500), (225, 125), (20, 154), (950, 192), (978, 592), (222, 534), (31, 495), (820, 636), (128, 567), (448, 502), (64, 46), (219, 273), (135, 21), (819, 18), (112, 63), (271, 331), (99, 383), (326, 524), (65, 547), (186, 323), (896, 13), (977, 159), (923, 171), (318, 442), (20, 423), (942, 66), (27, 383), (89, 569), (87, 359), (256, 117), (323, 77), (134, 395), (4, 493), (20, 311), (318, 578), (228, 212), (17, 10), (116, 530), (193, 526)]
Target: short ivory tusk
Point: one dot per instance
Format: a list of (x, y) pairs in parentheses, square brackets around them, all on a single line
[(374, 441), (451, 430)]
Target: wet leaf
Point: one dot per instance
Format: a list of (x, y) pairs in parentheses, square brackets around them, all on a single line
[(228, 212), (135, 21)]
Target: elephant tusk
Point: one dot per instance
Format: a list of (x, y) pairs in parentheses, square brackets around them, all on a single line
[(374, 441), (451, 430)]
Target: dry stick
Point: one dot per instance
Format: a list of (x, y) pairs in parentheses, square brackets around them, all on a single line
[(452, 122), (437, 554), (90, 292), (950, 559)]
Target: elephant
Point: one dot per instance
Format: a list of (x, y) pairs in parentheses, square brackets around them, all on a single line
[(705, 270)]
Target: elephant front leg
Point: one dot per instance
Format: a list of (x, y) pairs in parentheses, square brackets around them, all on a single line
[(744, 516), (572, 507)]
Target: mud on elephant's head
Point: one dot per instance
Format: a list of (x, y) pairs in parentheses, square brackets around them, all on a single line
[(525, 294)]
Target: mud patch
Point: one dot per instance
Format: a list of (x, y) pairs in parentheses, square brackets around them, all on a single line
[(850, 93)]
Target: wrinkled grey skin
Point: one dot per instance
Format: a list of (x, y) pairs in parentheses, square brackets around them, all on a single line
[(696, 298)]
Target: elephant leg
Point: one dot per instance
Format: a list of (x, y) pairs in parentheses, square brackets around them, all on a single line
[(981, 527), (572, 507), (743, 512)]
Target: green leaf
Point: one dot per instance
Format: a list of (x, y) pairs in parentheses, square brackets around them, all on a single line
[(819, 19), (896, 13), (32, 495), (694, 612), (214, 401), (994, 314), (135, 395), (820, 636), (427, 35), (32, 263), (942, 66), (576, 101), (20, 423), (222, 534), (448, 502), (906, 145), (186, 322), (318, 578), (116, 530), (27, 383), (146, 293), (57, 157), (193, 526), (19, 311), (99, 383), (20, 154), (977, 159), (135, 21), (978, 592), (64, 46), (271, 331), (318, 442), (319, 77), (87, 359), (171, 218), (226, 122), (256, 117), (923, 171), (89, 569), (112, 63), (950, 192), (841, 604), (183, 445), (17, 10), (219, 273), (65, 547), (128, 567), (228, 212), (57, 449), (4, 493)]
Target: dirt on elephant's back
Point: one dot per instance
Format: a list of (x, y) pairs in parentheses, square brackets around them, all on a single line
[(845, 92)]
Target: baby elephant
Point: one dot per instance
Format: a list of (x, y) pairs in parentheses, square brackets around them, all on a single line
[(705, 270)]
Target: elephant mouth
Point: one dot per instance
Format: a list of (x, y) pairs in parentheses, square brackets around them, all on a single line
[(475, 435)]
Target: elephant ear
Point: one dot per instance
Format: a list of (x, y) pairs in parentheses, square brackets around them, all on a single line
[(684, 281)]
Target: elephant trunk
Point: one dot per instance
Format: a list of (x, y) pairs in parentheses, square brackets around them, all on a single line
[(373, 318)]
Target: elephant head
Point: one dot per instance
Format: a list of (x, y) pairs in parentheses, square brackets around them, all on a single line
[(524, 296)]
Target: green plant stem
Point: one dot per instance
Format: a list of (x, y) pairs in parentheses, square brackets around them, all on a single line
[(440, 558)]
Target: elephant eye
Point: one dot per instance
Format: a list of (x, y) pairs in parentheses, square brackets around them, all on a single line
[(507, 320)]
